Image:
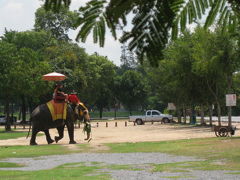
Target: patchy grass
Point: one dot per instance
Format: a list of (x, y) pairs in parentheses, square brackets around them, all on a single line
[(178, 177), (187, 166), (233, 173), (41, 150), (7, 165), (123, 167), (214, 150), (67, 171), (11, 134)]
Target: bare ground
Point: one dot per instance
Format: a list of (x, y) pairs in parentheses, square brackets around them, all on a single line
[(122, 133)]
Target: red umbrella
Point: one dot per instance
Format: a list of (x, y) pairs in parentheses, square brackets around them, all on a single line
[(54, 77)]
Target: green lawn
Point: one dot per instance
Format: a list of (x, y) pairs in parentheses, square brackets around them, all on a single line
[(11, 134), (219, 153), (40, 150)]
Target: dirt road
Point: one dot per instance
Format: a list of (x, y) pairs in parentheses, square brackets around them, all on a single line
[(122, 133)]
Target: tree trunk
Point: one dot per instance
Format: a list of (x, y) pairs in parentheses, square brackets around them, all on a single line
[(210, 114), (229, 116), (184, 115), (202, 115), (115, 110), (12, 111), (23, 110), (20, 113), (100, 112), (179, 114), (229, 77), (219, 113), (130, 111), (8, 124)]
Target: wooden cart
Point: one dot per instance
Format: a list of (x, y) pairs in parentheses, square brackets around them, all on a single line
[(224, 131)]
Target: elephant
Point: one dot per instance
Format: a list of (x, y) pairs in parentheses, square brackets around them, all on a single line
[(41, 120)]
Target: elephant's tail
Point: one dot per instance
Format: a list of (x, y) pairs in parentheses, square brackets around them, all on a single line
[(30, 126)]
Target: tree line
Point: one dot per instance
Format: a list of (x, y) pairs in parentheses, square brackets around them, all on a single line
[(195, 71)]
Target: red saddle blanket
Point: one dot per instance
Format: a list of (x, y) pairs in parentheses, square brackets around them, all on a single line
[(57, 110)]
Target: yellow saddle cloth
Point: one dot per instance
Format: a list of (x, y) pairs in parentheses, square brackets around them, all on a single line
[(58, 110)]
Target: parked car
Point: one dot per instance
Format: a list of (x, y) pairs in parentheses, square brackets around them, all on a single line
[(151, 116), (3, 119)]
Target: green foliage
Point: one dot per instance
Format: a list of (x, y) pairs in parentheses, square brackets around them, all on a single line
[(132, 89), (56, 5), (92, 17), (58, 24), (153, 21)]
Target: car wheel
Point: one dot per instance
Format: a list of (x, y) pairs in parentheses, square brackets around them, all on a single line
[(139, 122), (166, 120)]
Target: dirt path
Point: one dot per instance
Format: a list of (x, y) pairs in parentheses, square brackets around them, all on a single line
[(131, 133)]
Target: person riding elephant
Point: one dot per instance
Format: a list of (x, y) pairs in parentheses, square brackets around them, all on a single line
[(58, 95), (41, 120)]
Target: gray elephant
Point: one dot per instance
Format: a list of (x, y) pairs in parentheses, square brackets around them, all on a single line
[(42, 121)]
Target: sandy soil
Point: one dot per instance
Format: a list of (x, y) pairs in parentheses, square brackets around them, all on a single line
[(131, 133)]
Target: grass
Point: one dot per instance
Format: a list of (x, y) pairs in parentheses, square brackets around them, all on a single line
[(67, 171), (35, 151), (187, 166), (7, 165), (14, 134), (220, 153), (11, 134)]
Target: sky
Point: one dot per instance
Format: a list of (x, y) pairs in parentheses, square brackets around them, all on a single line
[(19, 15)]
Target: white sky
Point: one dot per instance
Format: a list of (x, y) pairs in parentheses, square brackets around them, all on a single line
[(19, 15)]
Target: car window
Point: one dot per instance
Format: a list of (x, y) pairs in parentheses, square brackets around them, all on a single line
[(149, 113), (155, 113)]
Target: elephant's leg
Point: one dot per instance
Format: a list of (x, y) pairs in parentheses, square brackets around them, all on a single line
[(33, 137), (70, 127), (60, 133), (48, 137)]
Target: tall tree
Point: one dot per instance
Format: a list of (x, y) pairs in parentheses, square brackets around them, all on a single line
[(132, 90), (58, 24)]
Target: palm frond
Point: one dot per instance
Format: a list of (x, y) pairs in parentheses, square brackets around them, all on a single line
[(56, 5), (224, 14), (92, 18)]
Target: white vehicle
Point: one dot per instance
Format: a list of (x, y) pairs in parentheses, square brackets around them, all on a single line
[(151, 116), (2, 120)]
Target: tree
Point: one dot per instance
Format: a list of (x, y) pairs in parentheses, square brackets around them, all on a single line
[(28, 66), (132, 90), (100, 74), (8, 57), (216, 55), (152, 23), (58, 24)]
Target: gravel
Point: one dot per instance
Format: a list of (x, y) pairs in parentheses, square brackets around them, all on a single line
[(134, 159)]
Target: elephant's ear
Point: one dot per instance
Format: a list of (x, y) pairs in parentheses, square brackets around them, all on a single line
[(82, 107)]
